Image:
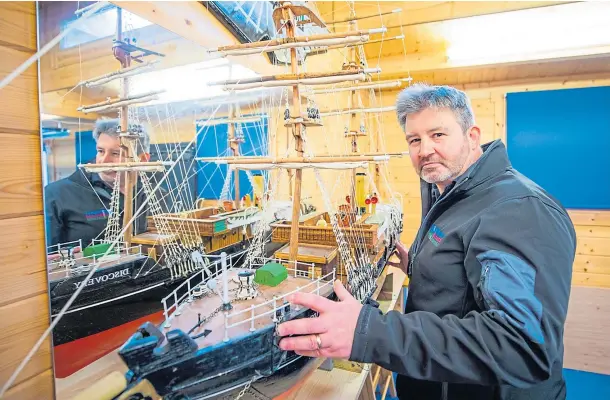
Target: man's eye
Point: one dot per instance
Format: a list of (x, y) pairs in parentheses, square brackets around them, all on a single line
[(413, 141), (438, 134)]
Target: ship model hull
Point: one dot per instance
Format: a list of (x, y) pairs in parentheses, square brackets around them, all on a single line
[(102, 318), (126, 292), (222, 371), (250, 364)]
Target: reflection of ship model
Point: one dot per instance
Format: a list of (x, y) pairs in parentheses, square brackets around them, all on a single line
[(140, 277), (220, 341)]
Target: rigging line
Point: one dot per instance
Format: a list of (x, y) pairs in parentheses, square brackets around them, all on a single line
[(19, 70), (54, 322)]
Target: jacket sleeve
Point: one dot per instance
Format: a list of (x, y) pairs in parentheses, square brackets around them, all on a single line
[(518, 260)]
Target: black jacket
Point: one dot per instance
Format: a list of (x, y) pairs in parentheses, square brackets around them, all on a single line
[(490, 274), (77, 207)]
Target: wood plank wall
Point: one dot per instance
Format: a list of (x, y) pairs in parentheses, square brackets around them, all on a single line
[(24, 306), (587, 347)]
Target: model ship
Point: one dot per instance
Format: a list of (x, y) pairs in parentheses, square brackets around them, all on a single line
[(219, 341), (142, 277)]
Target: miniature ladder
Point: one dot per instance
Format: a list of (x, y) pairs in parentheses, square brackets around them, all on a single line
[(257, 246), (224, 195), (341, 242), (114, 226), (162, 226)]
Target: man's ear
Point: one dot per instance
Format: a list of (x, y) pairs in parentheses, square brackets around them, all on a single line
[(144, 157), (474, 136)]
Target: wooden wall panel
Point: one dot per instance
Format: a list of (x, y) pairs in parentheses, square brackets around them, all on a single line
[(22, 244), (586, 339), (20, 95), (20, 175), (32, 388), (18, 25), (24, 307), (22, 326)]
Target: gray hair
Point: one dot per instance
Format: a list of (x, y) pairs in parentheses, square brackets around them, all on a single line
[(419, 97), (111, 127)]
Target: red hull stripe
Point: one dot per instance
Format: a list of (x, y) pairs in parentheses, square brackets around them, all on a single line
[(72, 356)]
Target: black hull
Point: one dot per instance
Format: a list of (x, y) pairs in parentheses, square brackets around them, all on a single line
[(99, 308), (178, 369), (219, 372)]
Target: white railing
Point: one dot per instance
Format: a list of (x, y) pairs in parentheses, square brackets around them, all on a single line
[(296, 263), (274, 302), (59, 265), (54, 249), (178, 300)]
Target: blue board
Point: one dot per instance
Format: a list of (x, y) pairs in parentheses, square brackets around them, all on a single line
[(212, 141), (561, 140), (85, 147)]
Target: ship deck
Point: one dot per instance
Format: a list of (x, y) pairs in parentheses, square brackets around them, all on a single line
[(189, 313)]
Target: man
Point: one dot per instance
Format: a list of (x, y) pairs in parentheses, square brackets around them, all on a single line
[(490, 273), (78, 206)]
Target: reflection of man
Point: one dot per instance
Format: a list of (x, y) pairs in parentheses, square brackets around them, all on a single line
[(490, 273), (78, 206)]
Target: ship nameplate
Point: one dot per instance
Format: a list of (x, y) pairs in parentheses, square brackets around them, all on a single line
[(104, 278)]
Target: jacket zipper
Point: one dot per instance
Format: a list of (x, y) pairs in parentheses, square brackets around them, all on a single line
[(420, 236), (445, 391)]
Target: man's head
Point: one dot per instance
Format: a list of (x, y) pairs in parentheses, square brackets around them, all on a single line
[(440, 129), (109, 150)]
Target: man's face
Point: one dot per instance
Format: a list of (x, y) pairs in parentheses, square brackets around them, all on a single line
[(108, 151), (439, 149)]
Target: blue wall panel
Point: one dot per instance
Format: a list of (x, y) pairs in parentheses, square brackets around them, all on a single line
[(561, 140), (212, 142), (85, 147)]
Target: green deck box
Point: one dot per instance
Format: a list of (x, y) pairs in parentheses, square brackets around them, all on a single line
[(271, 274)]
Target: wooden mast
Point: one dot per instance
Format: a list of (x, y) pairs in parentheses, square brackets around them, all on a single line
[(124, 57), (354, 127), (297, 131), (234, 146)]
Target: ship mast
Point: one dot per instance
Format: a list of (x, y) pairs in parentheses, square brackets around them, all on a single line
[(285, 16), (124, 57), (353, 101), (297, 130), (234, 146), (126, 53)]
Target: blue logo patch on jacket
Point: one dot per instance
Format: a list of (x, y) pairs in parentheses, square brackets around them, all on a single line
[(97, 215), (435, 235)]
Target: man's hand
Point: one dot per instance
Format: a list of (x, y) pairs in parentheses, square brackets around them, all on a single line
[(403, 256), (331, 334)]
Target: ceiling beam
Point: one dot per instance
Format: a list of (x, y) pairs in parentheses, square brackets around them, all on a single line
[(192, 21), (421, 12), (64, 104)]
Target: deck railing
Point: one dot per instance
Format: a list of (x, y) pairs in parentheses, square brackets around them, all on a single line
[(174, 308), (90, 261), (54, 249), (316, 285)]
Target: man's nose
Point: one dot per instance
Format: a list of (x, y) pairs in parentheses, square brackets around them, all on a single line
[(426, 148)]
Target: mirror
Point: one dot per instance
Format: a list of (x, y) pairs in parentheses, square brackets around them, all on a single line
[(83, 124)]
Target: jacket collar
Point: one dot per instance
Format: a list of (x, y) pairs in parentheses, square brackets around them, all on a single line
[(492, 162)]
